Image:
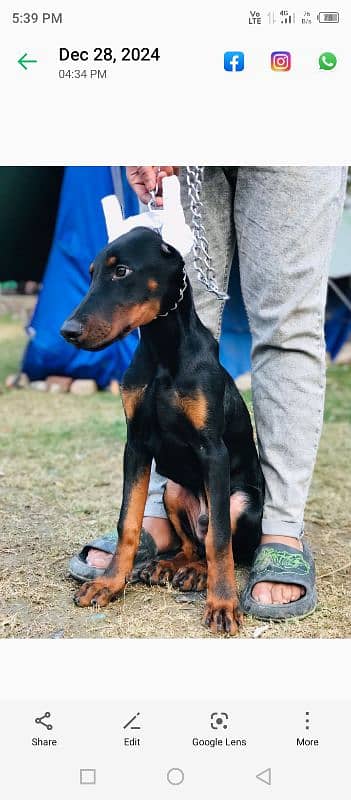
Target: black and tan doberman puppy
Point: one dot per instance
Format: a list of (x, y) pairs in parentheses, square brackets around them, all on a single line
[(183, 410)]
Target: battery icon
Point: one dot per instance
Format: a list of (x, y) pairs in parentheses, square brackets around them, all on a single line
[(328, 16)]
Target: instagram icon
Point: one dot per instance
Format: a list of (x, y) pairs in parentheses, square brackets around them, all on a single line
[(281, 61)]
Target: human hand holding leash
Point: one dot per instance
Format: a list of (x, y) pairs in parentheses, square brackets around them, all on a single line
[(145, 180)]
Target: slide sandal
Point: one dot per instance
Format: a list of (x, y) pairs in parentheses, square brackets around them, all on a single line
[(81, 571), (280, 563)]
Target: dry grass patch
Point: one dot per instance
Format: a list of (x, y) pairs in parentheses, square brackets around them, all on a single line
[(60, 485)]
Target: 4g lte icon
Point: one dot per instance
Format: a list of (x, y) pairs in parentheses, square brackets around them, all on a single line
[(234, 61)]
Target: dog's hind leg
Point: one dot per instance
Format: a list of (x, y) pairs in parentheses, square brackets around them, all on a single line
[(189, 517), (187, 512), (186, 570)]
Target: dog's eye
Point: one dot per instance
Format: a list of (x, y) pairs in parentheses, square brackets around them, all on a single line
[(120, 272)]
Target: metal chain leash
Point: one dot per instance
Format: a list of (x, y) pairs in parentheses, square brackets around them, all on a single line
[(202, 259)]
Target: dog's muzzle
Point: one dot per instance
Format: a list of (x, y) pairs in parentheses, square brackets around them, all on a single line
[(71, 330)]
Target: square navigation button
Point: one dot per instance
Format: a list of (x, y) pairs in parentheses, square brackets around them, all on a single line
[(88, 777)]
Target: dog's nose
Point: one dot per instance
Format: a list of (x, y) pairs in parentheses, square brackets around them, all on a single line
[(71, 330)]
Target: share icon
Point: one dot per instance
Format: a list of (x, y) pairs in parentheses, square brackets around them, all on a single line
[(40, 721)]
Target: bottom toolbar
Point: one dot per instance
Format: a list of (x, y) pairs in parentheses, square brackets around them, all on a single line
[(179, 749)]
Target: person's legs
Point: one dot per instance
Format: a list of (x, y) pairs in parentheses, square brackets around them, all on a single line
[(217, 197), (285, 221)]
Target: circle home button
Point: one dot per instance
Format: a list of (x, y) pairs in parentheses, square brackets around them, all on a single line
[(175, 776)]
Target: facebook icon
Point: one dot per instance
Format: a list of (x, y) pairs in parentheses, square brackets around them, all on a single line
[(234, 62)]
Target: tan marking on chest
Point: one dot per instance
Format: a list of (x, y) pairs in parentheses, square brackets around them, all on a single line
[(131, 399), (194, 408)]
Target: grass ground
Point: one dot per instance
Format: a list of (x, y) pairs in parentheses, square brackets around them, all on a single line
[(60, 485)]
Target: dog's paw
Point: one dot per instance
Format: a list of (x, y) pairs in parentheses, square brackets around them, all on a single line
[(158, 573), (191, 578), (223, 616), (99, 592)]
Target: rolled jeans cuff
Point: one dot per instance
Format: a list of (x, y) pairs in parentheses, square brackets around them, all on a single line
[(154, 504), (155, 508), (277, 527)]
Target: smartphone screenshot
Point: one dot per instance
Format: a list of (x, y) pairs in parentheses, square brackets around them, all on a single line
[(175, 400)]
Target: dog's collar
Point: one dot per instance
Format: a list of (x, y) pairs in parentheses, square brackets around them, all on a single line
[(180, 298)]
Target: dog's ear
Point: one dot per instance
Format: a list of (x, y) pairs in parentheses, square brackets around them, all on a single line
[(165, 248)]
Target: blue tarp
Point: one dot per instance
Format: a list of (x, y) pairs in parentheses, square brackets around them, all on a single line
[(235, 341), (337, 327), (79, 235), (338, 324)]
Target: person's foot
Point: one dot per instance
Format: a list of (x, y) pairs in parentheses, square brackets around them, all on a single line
[(267, 593), (161, 532)]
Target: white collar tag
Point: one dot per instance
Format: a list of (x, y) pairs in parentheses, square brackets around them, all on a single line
[(168, 220)]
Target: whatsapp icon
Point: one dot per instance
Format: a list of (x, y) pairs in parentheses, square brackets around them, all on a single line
[(328, 61)]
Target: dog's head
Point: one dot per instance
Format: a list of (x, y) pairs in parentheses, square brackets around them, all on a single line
[(134, 279)]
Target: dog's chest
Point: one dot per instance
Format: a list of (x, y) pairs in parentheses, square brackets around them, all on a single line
[(169, 433), (166, 415)]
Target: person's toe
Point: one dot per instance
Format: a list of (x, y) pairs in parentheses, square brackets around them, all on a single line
[(262, 593), (296, 593), (98, 559), (287, 593), (277, 594)]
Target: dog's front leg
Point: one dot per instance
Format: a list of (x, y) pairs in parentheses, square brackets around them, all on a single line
[(137, 465), (222, 614)]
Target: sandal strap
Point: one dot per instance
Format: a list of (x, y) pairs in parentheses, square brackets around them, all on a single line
[(283, 564)]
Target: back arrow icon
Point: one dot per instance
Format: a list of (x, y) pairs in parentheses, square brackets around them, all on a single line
[(23, 61), (265, 777)]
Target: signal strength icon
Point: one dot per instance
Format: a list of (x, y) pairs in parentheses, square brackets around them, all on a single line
[(287, 18)]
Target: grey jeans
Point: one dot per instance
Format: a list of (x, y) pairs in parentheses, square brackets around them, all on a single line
[(283, 220)]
